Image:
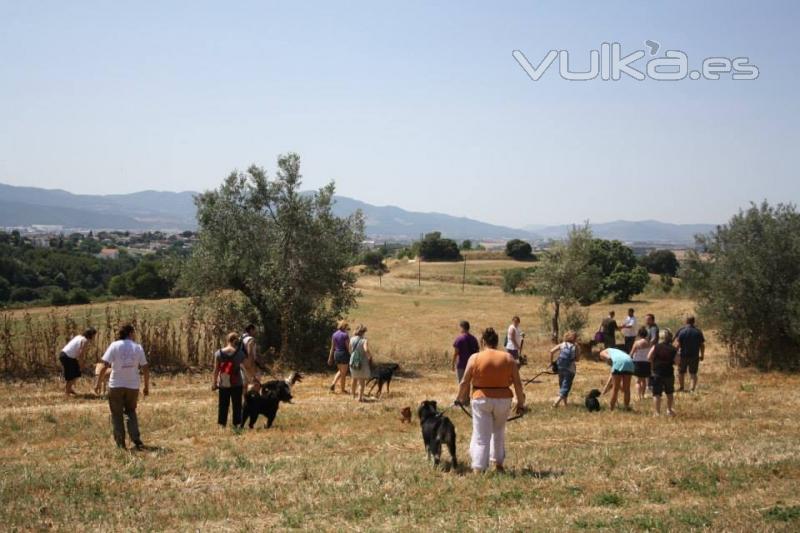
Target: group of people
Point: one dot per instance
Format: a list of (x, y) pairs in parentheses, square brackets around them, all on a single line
[(486, 375), (351, 356), (650, 354)]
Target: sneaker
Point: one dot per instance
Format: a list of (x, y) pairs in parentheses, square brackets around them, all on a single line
[(139, 445), (670, 413)]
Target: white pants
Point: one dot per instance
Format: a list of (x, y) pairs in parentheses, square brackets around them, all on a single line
[(489, 417)]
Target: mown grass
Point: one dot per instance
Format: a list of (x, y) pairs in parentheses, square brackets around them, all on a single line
[(729, 461)]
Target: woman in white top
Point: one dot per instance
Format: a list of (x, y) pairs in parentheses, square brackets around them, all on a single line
[(641, 364), (71, 356), (514, 342)]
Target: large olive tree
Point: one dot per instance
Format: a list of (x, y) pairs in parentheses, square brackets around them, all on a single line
[(566, 275), (283, 249), (748, 285)]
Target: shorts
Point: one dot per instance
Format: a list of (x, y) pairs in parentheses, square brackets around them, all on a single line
[(641, 369), (663, 383), (689, 363), (622, 372), (71, 368), (514, 353), (341, 357), (460, 373)]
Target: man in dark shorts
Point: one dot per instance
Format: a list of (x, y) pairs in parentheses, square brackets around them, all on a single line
[(463, 347), (692, 345), (609, 327)]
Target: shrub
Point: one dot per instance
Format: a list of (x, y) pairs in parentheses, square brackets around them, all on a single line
[(435, 248), (5, 289), (661, 262), (58, 298), (78, 297), (23, 294), (622, 277), (748, 285), (519, 250), (373, 263), (513, 278)]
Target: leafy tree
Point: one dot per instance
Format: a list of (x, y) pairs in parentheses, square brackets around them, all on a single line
[(23, 294), (466, 245), (373, 262), (145, 281), (78, 297), (519, 250), (748, 285), (622, 277), (5, 289), (566, 274), (667, 283), (58, 297), (435, 248), (513, 278), (661, 262), (285, 251)]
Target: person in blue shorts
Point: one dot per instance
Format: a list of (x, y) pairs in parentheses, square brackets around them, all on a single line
[(621, 372)]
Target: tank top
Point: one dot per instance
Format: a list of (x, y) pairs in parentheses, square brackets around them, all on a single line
[(492, 374), (566, 358), (640, 355)]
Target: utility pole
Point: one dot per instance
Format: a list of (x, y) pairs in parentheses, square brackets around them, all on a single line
[(464, 276), (419, 263)]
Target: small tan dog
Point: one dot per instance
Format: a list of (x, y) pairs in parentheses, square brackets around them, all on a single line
[(104, 385)]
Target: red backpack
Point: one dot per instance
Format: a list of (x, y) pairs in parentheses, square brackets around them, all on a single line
[(228, 370)]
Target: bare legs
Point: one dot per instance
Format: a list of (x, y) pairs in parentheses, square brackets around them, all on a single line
[(670, 400), (341, 378), (641, 387), (692, 379), (69, 389), (360, 384), (617, 382)]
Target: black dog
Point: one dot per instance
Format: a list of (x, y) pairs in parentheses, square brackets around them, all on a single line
[(382, 375), (592, 402), (436, 429), (267, 401)]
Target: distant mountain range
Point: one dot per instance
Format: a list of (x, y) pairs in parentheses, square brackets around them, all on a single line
[(26, 206)]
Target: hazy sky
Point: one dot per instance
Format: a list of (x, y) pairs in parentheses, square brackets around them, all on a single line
[(414, 104)]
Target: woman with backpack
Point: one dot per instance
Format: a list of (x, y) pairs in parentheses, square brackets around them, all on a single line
[(360, 361), (567, 355), (228, 379)]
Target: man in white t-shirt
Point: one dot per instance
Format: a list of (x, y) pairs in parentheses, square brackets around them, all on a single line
[(514, 342), (125, 358), (629, 330), (71, 357)]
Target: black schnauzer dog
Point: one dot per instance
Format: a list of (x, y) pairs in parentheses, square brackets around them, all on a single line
[(382, 375), (592, 402), (436, 429), (267, 400)]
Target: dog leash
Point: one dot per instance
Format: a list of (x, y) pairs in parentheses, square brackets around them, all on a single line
[(466, 412), (548, 371)]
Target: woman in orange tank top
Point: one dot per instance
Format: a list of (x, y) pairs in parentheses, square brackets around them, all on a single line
[(490, 373)]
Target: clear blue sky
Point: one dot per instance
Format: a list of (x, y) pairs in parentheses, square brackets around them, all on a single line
[(415, 104)]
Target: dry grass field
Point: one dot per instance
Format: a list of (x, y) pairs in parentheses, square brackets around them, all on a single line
[(729, 461)]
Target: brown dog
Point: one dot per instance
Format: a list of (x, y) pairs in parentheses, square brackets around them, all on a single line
[(405, 414), (104, 385)]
